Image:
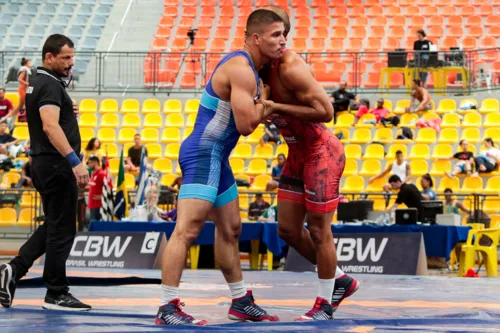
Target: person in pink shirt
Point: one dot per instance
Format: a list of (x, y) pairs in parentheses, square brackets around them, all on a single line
[(379, 112)]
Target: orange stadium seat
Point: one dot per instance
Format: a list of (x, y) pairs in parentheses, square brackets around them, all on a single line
[(322, 12), (435, 21)]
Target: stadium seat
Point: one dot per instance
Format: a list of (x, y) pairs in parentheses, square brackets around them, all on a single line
[(22, 133), (87, 120), (450, 120), (163, 165), (172, 106), (130, 106), (10, 178), (129, 181), (467, 100), (260, 182), (87, 106), (106, 135), (8, 216), (114, 165), (168, 179), (150, 135), (426, 135), (153, 120), (191, 119), (151, 106), (345, 120), (154, 150), (489, 105), (368, 120), (419, 167), (174, 120), (353, 151), (187, 132), (376, 185), (191, 106), (383, 135), (353, 184), (448, 135), (401, 106), (27, 199), (132, 120), (374, 151), (370, 167), (446, 105), (492, 133), (472, 119), (108, 106), (282, 149), (473, 135), (420, 151), (447, 182), (492, 185), (391, 154), (264, 151), (109, 120), (242, 150), (257, 166), (126, 135), (362, 136), (172, 150), (440, 167), (492, 119), (237, 165), (351, 167), (409, 120), (86, 134), (26, 217), (109, 149), (472, 185), (442, 151)]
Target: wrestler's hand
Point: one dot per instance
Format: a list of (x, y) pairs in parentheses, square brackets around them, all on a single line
[(81, 175), (268, 108)]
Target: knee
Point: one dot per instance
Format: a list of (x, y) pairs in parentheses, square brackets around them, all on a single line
[(319, 233), (231, 231), (188, 234), (289, 234)]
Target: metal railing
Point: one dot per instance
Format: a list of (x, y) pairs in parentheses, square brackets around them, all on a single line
[(448, 72)]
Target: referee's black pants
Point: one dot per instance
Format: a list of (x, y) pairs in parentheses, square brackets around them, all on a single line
[(53, 178)]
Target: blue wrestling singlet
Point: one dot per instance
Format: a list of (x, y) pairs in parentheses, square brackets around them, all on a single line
[(204, 155)]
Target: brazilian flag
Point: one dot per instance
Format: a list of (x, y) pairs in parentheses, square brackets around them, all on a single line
[(121, 198)]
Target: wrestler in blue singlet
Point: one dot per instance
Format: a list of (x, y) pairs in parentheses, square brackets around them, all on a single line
[(204, 155)]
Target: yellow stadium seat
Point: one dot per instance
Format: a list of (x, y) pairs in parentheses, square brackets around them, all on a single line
[(132, 120), (383, 135), (446, 105), (442, 150), (472, 185), (368, 120), (409, 120), (388, 104), (353, 151), (379, 204), (13, 97), (237, 165), (114, 164), (492, 185), (374, 151), (172, 106), (264, 151), (353, 184), (391, 154), (490, 206), (426, 135), (10, 178), (151, 106), (329, 124), (260, 182), (8, 216), (467, 100), (171, 134), (472, 119), (255, 136), (174, 120), (244, 200), (345, 120), (154, 150), (243, 177), (489, 105), (492, 120), (153, 120), (448, 135), (27, 199), (370, 168), (376, 185), (129, 181), (87, 120), (492, 133), (88, 106), (26, 216), (450, 120), (362, 135), (473, 135), (419, 167), (187, 132), (351, 167), (191, 106), (191, 119), (126, 135), (429, 115), (130, 106), (168, 179), (282, 149), (420, 151), (21, 133), (109, 148), (150, 135), (257, 166), (401, 106), (108, 106), (164, 165), (86, 134), (243, 216), (106, 135), (242, 150), (447, 182), (172, 150), (109, 120), (345, 133)]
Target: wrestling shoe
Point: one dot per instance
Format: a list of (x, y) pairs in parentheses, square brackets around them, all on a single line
[(245, 309), (64, 302), (345, 286), (322, 310), (172, 314), (7, 285)]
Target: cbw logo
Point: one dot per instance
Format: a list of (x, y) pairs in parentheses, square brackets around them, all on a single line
[(347, 248), (100, 245), (150, 242)]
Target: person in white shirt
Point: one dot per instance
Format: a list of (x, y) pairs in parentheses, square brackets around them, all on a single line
[(400, 167), (488, 160)]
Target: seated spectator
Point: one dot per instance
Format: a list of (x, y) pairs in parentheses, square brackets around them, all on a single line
[(93, 148), (6, 107), (341, 99), (400, 167), (8, 143), (25, 179), (133, 161), (276, 173), (257, 207), (489, 159), (452, 206), (176, 185), (465, 160), (420, 98), (171, 215), (149, 211), (271, 134), (95, 187), (379, 112), (270, 215), (427, 184)]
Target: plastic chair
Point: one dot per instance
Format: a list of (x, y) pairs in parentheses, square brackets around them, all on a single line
[(442, 151), (489, 105), (472, 119), (255, 136), (132, 120), (448, 135), (374, 151), (351, 167), (447, 182), (426, 135), (174, 120), (492, 120), (383, 135), (353, 184), (172, 106), (86, 134), (150, 135), (265, 151), (237, 165), (86, 105), (10, 178), (172, 150), (450, 120), (163, 165), (130, 106), (154, 150), (377, 185), (8, 217), (440, 167), (108, 106), (473, 135), (86, 120), (257, 166), (242, 150), (391, 154), (260, 182), (370, 167), (345, 120), (420, 151), (419, 167), (472, 185), (106, 135), (446, 105), (126, 135), (362, 136), (151, 106), (488, 253)]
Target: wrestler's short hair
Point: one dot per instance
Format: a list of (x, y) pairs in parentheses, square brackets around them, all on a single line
[(259, 19), (283, 14)]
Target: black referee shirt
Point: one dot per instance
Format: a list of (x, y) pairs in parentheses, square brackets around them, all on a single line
[(47, 88)]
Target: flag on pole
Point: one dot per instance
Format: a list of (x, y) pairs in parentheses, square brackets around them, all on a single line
[(107, 194), (143, 179), (121, 199)]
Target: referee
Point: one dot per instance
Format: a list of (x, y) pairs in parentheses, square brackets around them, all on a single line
[(57, 172)]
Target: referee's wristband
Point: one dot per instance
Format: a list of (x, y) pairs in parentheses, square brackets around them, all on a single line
[(73, 159)]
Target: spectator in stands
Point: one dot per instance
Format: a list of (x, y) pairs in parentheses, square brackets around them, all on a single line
[(134, 155), (379, 112), (93, 148), (176, 185), (6, 107), (271, 134), (171, 215), (342, 99), (8, 143), (465, 160), (25, 179), (257, 207), (23, 77), (422, 47), (95, 186), (400, 167), (276, 173), (427, 184), (452, 206), (489, 159), (270, 215), (420, 98), (408, 194)]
